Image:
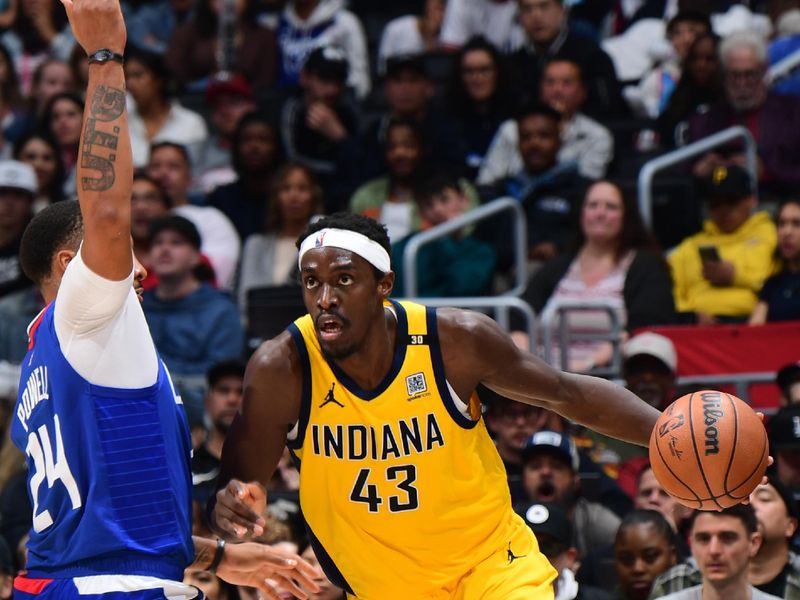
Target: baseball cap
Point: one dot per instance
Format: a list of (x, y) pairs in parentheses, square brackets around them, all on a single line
[(224, 82), (406, 62), (784, 429), (547, 519), (327, 62), (181, 225), (652, 344), (226, 368), (785, 493), (554, 442), (16, 175), (726, 185)]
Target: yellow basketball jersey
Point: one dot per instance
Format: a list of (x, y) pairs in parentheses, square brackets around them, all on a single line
[(401, 486)]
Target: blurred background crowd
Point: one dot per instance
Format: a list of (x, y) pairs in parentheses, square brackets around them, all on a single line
[(251, 118)]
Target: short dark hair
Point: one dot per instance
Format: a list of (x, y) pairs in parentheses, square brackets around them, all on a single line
[(358, 223), (434, 184), (689, 16), (225, 368), (744, 512), (648, 517), (538, 109), (180, 148), (56, 227)]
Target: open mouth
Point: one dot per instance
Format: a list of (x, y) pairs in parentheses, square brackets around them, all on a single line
[(329, 328)]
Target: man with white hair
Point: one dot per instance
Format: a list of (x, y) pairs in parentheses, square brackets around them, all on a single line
[(773, 119)]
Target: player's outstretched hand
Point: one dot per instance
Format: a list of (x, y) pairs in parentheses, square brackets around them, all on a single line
[(252, 564), (97, 24), (239, 509)]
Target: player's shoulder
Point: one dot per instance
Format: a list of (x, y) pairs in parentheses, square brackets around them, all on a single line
[(459, 322), (276, 356)]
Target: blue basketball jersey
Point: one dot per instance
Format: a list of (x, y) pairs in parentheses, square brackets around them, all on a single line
[(109, 474)]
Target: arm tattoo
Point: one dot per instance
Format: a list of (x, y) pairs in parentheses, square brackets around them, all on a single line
[(107, 105)]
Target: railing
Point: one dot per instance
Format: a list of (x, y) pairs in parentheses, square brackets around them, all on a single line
[(557, 315), (500, 305), (477, 214), (783, 68), (660, 163), (740, 381)]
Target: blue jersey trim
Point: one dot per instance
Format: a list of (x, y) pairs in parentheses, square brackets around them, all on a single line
[(332, 572), (397, 361), (438, 371), (305, 400)]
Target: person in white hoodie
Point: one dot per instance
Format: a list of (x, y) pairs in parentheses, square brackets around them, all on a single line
[(308, 24)]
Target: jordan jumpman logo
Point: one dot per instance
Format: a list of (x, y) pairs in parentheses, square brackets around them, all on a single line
[(330, 398)]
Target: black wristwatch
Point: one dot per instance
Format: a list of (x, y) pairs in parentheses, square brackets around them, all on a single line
[(105, 55)]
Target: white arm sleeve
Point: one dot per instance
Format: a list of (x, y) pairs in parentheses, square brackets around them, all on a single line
[(102, 330)]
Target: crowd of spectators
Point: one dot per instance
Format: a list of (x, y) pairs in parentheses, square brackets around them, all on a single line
[(247, 125)]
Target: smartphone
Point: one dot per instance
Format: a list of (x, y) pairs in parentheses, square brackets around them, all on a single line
[(709, 254)]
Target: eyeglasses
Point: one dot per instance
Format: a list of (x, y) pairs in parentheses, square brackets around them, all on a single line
[(482, 71), (745, 76)]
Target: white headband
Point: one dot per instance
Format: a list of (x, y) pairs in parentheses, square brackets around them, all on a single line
[(358, 243)]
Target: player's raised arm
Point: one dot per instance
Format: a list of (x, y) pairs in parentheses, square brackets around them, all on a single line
[(105, 165), (476, 350)]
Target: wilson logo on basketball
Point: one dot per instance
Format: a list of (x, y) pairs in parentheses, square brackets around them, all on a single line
[(712, 412)]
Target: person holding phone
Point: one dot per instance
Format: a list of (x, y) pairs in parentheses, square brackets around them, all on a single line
[(718, 272)]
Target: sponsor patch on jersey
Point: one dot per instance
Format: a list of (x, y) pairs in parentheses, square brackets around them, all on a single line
[(416, 385)]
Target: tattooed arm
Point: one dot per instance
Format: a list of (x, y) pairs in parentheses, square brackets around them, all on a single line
[(105, 165)]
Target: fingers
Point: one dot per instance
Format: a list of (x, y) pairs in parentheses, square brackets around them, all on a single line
[(290, 585), (269, 591)]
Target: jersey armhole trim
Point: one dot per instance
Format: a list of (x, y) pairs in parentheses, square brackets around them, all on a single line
[(305, 400), (439, 374)]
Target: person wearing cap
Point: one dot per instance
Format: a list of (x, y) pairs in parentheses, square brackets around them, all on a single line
[(550, 474), (308, 24), (650, 368), (775, 567), (772, 118), (230, 97), (788, 381), (409, 92), (319, 127), (784, 438), (553, 531), (718, 272), (193, 325), (548, 35), (18, 189), (223, 399)]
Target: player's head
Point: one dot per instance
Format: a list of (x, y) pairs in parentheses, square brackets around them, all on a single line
[(643, 549), (50, 241), (550, 467), (723, 542), (346, 277)]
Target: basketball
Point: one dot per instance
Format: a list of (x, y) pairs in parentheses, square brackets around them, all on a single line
[(709, 450)]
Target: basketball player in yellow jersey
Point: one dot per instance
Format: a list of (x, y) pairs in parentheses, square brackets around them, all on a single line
[(404, 494)]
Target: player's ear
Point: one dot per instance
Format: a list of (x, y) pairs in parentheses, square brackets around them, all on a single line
[(386, 284), (61, 259)]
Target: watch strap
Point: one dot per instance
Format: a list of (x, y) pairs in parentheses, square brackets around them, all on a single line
[(105, 55)]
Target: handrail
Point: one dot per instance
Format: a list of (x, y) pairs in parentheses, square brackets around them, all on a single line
[(560, 309), (495, 302), (741, 381), (473, 216), (702, 146), (783, 68)]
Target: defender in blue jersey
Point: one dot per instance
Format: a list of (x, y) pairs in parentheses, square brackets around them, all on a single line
[(106, 438)]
